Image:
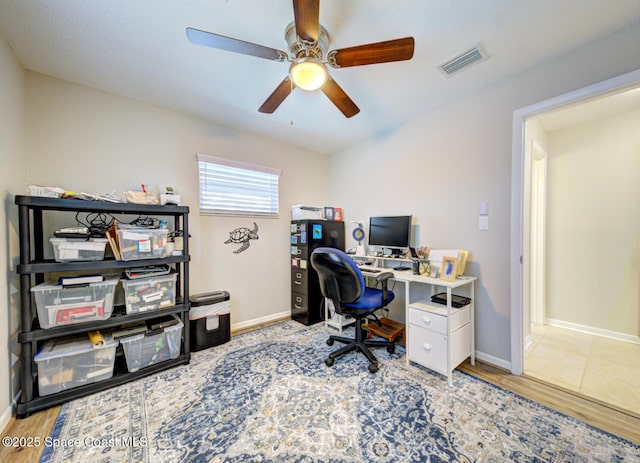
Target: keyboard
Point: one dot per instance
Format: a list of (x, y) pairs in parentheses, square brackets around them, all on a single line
[(369, 270)]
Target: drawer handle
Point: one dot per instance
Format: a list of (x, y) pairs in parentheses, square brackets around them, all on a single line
[(426, 346), (298, 282), (426, 320), (297, 306)]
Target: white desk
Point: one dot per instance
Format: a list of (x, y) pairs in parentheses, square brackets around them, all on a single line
[(438, 337)]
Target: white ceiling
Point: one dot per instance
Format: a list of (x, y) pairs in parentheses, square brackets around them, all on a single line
[(138, 49)]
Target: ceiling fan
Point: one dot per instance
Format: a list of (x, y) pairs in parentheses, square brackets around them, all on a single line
[(308, 42)]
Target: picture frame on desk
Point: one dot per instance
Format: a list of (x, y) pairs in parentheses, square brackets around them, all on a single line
[(423, 267), (328, 213), (449, 269), (433, 271)]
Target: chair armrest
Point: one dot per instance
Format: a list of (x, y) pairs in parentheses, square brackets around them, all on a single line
[(382, 278)]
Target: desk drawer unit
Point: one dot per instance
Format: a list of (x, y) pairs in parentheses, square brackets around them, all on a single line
[(428, 341)]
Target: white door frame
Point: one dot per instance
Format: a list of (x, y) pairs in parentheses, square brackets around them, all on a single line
[(538, 232), (518, 305)]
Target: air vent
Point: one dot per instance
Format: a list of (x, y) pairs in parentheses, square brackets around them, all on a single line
[(463, 61)]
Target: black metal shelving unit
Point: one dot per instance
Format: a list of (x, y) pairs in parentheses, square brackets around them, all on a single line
[(32, 270)]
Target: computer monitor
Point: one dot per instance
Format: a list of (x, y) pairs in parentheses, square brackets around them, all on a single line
[(390, 232)]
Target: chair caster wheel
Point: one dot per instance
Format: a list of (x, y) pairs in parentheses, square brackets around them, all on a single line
[(391, 349), (329, 342), (329, 361), (373, 367)]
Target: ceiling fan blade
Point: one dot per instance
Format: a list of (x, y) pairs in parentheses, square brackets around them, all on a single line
[(209, 39), (373, 53), (339, 98), (307, 16), (277, 97)]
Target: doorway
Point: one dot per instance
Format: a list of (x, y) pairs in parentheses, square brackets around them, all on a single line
[(538, 232), (528, 281)]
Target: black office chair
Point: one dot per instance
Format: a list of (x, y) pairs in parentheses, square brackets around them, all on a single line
[(343, 283)]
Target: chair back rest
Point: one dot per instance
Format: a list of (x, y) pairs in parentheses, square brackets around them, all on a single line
[(340, 278)]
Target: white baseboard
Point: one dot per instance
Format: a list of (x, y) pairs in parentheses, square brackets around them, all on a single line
[(528, 342), (259, 321), (493, 360), (595, 331), (6, 416)]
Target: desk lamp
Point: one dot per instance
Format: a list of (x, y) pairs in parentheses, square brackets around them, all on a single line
[(358, 235)]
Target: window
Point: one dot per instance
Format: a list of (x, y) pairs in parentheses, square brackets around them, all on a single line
[(236, 188)]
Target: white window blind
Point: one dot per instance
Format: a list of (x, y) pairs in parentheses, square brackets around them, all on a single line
[(235, 188)]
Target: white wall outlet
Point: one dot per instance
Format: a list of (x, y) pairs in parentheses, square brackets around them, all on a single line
[(483, 222)]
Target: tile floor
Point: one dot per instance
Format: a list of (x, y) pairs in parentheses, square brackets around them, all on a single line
[(605, 369)]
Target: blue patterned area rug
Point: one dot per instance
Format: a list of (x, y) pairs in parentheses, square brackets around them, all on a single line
[(267, 396)]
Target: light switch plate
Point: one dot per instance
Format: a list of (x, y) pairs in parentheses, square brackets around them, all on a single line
[(484, 207), (483, 222)]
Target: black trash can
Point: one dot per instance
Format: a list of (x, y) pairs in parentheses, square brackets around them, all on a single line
[(209, 320)]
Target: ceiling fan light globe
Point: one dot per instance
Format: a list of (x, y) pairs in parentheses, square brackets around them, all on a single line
[(308, 73)]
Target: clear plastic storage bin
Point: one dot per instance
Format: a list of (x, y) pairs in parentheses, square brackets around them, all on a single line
[(71, 250), (142, 243), (142, 350), (59, 305), (146, 294), (65, 363)]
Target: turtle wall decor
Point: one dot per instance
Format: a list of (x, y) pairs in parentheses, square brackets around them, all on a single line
[(243, 235)]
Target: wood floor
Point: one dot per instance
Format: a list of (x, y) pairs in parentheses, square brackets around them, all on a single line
[(599, 415)]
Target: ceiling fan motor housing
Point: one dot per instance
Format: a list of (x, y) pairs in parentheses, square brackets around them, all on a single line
[(300, 48)]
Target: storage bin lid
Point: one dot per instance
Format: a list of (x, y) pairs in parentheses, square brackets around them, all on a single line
[(167, 325), (92, 244), (65, 347), (208, 298), (151, 280), (108, 281)]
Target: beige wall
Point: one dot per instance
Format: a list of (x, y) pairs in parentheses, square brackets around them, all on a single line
[(441, 165), (12, 175), (593, 252), (87, 140)]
